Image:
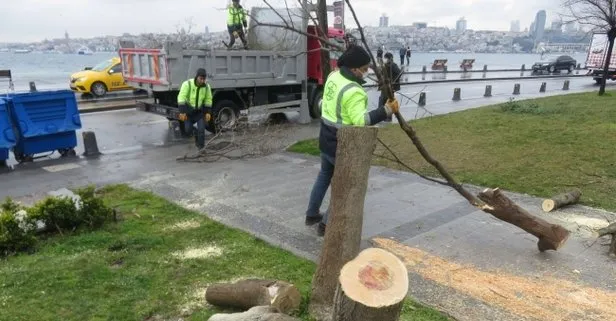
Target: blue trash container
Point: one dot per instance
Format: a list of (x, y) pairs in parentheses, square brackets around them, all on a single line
[(45, 121), (7, 136)]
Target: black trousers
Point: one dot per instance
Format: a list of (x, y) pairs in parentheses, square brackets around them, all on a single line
[(240, 32)]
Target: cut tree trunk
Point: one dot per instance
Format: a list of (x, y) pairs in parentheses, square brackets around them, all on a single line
[(343, 232), (372, 288), (249, 293), (259, 313), (609, 230), (561, 200), (551, 236)]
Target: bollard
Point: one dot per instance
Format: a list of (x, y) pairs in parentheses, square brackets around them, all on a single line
[(90, 145), (523, 67), (488, 92), (424, 69), (457, 94), (579, 66), (543, 87), (422, 99), (485, 68), (445, 69), (516, 89), (32, 87), (566, 85)]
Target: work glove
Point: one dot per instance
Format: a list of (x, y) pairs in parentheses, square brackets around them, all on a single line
[(208, 117), (182, 117), (392, 106)]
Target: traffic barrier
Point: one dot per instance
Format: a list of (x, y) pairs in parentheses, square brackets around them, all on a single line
[(488, 92), (422, 99), (516, 89), (543, 87), (566, 85), (90, 144), (457, 94)]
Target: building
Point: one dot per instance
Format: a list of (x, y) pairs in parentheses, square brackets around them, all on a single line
[(461, 25), (384, 21), (420, 25), (557, 25), (539, 28), (570, 27), (515, 26)]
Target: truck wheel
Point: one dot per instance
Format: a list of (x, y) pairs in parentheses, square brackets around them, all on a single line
[(98, 89), (225, 116), (315, 107), (552, 69), (571, 68)]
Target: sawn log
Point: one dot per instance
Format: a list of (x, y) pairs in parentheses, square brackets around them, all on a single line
[(561, 200), (249, 293)]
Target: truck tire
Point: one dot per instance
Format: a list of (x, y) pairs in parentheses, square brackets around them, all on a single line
[(571, 68), (225, 116), (315, 106), (552, 69)]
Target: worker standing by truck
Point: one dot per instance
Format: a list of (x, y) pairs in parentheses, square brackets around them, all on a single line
[(195, 105), (345, 103), (236, 22)]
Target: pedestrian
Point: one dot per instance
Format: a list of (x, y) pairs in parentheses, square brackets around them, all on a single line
[(402, 55), (391, 74), (408, 55), (195, 105), (345, 103), (236, 22), (379, 56)]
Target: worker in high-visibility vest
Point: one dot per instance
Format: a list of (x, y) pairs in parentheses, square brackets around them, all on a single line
[(236, 22), (345, 103), (195, 105)]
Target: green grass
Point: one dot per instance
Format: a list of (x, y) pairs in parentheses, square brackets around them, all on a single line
[(128, 271), (540, 147)]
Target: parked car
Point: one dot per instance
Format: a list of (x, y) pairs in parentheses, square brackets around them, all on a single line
[(556, 64), (100, 79)]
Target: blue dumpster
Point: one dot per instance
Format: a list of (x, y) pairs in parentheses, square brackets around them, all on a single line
[(45, 121), (7, 137)]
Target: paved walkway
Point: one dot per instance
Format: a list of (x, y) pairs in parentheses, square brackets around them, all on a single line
[(460, 260)]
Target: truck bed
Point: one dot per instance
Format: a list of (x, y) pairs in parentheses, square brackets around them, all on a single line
[(165, 69)]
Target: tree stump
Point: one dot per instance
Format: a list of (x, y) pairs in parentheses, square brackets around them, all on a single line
[(258, 313), (551, 236), (561, 200), (610, 230), (245, 294), (372, 288), (343, 232)]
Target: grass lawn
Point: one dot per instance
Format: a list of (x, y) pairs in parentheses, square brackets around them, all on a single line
[(152, 265), (540, 147)]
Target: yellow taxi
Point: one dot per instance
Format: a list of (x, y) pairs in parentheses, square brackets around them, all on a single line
[(100, 79)]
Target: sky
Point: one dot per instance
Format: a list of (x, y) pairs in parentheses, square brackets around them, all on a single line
[(35, 20)]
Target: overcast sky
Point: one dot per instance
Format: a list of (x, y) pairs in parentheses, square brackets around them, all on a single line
[(34, 20)]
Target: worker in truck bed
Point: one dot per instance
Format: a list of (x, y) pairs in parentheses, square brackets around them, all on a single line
[(195, 105), (345, 103), (236, 22)]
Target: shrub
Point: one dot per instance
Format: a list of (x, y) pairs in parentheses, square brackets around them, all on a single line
[(521, 107), (16, 231), (93, 210)]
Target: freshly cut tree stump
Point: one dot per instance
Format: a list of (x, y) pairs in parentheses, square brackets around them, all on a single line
[(609, 230), (258, 313), (372, 287), (561, 200), (551, 236), (249, 293)]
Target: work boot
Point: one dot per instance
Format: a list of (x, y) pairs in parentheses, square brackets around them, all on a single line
[(312, 220), (321, 229)]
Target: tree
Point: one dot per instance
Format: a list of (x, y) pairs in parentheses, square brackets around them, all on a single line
[(599, 14)]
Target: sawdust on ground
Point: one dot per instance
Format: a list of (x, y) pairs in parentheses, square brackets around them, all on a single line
[(183, 226), (199, 253), (545, 298)]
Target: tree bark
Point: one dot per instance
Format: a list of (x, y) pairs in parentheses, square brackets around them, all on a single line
[(611, 35), (324, 28), (259, 313), (372, 288), (343, 232), (249, 293), (609, 230), (551, 236), (561, 200)]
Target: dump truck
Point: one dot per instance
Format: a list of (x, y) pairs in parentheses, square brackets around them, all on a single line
[(595, 60), (281, 71)]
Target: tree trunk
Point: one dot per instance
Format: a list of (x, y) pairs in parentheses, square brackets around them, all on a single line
[(611, 35), (551, 236), (372, 288), (561, 200), (323, 27), (343, 232), (249, 293), (259, 313), (610, 230)]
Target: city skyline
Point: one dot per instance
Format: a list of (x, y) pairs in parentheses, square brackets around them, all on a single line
[(115, 17)]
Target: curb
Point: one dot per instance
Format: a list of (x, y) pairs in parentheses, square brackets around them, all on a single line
[(127, 105)]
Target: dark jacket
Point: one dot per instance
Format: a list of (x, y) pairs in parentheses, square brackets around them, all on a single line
[(379, 53), (392, 71), (402, 52), (328, 141)]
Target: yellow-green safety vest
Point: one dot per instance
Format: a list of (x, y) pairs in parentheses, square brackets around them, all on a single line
[(190, 93), (345, 102), (235, 16)]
